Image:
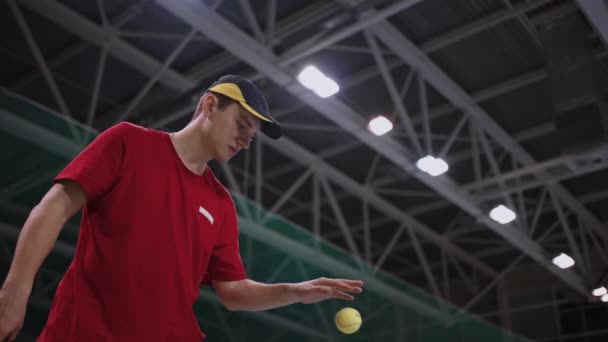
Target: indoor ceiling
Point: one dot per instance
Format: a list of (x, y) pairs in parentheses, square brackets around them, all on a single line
[(510, 93)]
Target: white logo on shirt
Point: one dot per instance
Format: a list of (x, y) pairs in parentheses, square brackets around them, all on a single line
[(206, 214)]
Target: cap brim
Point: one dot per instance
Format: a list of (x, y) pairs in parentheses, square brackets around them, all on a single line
[(272, 129), (269, 126)]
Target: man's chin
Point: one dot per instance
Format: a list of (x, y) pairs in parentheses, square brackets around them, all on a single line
[(226, 158)]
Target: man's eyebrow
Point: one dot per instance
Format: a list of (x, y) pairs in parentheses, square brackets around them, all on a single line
[(243, 116)]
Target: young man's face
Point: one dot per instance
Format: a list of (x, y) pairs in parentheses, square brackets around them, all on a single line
[(233, 129)]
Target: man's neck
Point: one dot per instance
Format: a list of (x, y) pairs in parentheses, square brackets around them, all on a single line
[(190, 147)]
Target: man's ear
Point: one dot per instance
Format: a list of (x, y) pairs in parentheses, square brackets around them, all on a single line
[(206, 105)]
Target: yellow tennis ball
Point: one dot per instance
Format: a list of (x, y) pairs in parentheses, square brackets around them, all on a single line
[(348, 320)]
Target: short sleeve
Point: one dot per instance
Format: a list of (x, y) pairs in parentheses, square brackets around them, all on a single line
[(226, 263), (97, 166)]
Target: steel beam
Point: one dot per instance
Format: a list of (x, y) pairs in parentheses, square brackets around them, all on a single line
[(38, 56), (89, 31), (597, 13), (411, 54)]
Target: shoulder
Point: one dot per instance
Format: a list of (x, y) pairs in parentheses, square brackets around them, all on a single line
[(120, 131), (130, 128), (127, 131)]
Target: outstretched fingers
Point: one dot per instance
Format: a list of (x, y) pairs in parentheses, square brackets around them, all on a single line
[(342, 285), (343, 295)]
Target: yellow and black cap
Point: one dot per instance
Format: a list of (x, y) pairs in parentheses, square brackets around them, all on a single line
[(250, 97)]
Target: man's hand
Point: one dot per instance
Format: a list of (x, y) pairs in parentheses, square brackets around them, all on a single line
[(320, 289), (12, 312), (249, 295)]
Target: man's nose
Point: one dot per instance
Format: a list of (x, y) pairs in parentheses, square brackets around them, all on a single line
[(243, 143)]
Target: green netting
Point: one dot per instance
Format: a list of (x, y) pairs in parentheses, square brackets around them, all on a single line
[(44, 117), (291, 254)]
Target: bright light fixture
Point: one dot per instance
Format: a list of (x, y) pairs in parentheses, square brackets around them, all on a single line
[(431, 165), (600, 291), (502, 214), (379, 125), (604, 298), (310, 77), (313, 79), (563, 261)]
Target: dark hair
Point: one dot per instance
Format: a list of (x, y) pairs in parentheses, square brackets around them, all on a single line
[(223, 101)]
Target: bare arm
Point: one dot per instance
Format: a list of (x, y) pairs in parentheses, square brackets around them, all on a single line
[(249, 295), (41, 230), (37, 237)]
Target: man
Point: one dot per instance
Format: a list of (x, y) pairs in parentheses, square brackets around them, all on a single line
[(156, 224)]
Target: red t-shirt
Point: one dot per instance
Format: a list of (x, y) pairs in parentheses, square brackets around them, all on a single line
[(151, 232)]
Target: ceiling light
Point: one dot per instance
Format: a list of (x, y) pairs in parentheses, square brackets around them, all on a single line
[(379, 125), (313, 79), (431, 165), (604, 298), (502, 214), (563, 261), (600, 291)]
